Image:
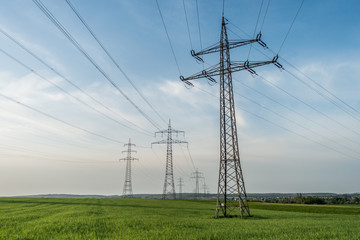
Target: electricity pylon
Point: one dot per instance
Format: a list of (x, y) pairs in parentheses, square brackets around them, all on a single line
[(231, 195), (181, 184), (205, 188), (197, 175), (169, 186), (127, 191)]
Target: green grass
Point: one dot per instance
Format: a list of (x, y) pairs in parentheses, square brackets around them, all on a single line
[(30, 218)]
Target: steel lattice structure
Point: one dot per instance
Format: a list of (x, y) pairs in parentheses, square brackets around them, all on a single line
[(169, 186), (181, 184), (231, 196), (127, 190), (197, 175)]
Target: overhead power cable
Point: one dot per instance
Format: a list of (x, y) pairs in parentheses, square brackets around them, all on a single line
[(315, 90), (168, 37), (198, 20), (308, 105), (113, 60), (68, 93), (292, 23), (296, 112), (301, 101), (288, 130), (257, 21), (47, 158), (187, 160), (173, 52), (223, 7), (323, 95), (266, 11), (192, 161), (52, 18), (70, 82), (187, 25), (319, 85), (59, 120), (292, 121), (45, 155), (296, 123)]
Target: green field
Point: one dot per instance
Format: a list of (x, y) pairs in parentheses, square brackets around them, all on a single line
[(45, 218)]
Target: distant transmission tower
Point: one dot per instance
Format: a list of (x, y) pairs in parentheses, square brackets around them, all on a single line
[(181, 184), (231, 195), (205, 188), (127, 191), (197, 175), (169, 186)]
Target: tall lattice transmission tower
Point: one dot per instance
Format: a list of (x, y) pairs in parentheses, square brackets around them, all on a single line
[(127, 190), (197, 175), (205, 188), (180, 184), (231, 196), (169, 186)]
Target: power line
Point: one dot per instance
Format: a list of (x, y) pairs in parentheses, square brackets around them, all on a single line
[(257, 21), (198, 20), (308, 105), (319, 85), (187, 160), (288, 108), (70, 82), (45, 155), (292, 23), (112, 59), (168, 37), (223, 7), (192, 161), (172, 49), (288, 130), (58, 119), (187, 25), (266, 11), (69, 94), (294, 122), (322, 95), (52, 18), (296, 112)]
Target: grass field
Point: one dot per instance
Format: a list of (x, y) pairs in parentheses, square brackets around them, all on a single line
[(31, 218)]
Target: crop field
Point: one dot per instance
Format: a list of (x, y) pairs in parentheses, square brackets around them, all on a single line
[(49, 218)]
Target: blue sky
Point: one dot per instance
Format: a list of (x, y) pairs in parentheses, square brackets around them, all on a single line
[(302, 150)]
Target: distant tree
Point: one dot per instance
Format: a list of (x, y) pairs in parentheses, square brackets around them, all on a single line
[(314, 200), (299, 199), (356, 200)]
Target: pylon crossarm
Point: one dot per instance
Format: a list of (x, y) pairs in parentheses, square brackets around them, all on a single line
[(129, 144), (127, 158), (177, 131), (161, 132), (164, 141), (236, 66), (129, 151), (201, 74), (240, 66), (178, 141), (232, 44)]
